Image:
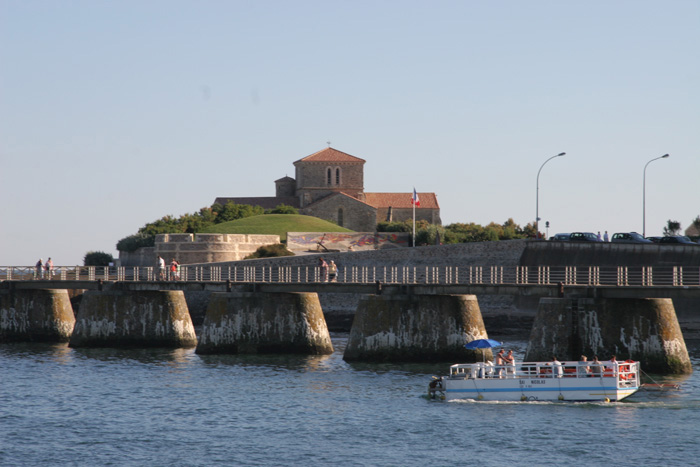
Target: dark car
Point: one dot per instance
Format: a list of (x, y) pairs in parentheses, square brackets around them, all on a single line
[(584, 237), (677, 240), (654, 239), (629, 237), (560, 237)]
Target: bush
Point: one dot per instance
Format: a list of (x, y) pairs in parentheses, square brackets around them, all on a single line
[(282, 209), (97, 258), (136, 241), (270, 251)]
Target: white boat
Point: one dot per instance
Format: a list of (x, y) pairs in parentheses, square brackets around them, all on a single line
[(539, 381)]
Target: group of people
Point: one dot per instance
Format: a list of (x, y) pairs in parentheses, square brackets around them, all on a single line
[(594, 367), (503, 359), (174, 271), (585, 367), (44, 269), (604, 238), (328, 271)]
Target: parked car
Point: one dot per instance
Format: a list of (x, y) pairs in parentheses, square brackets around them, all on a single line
[(655, 239), (560, 237), (629, 237), (584, 237), (677, 240)]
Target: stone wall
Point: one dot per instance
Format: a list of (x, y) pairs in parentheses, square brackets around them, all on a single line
[(298, 242), (145, 256), (198, 248), (356, 215)]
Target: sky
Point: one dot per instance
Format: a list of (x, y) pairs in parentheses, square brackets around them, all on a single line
[(114, 114)]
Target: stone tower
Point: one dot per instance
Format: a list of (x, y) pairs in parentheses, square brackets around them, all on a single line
[(326, 172)]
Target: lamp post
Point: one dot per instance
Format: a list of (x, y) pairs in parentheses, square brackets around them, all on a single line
[(537, 202), (644, 195)]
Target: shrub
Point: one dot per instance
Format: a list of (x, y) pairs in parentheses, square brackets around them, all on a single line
[(97, 258), (283, 209), (270, 251), (136, 241)]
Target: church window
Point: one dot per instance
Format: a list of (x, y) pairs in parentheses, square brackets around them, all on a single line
[(340, 217), (337, 175), (328, 172)]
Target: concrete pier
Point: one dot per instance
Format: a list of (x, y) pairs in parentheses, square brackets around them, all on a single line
[(40, 315), (416, 328), (118, 318), (257, 322), (639, 329)]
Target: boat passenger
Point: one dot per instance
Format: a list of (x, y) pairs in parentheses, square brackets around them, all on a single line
[(509, 360), (557, 371), (583, 368), (596, 367), (498, 362)]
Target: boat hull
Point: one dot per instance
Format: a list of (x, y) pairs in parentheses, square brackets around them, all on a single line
[(539, 381), (536, 389)]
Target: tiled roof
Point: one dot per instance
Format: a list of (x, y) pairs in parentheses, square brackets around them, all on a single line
[(286, 177), (265, 202), (330, 155), (401, 200)]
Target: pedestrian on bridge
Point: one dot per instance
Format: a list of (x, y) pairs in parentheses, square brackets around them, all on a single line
[(39, 269), (49, 268), (324, 269)]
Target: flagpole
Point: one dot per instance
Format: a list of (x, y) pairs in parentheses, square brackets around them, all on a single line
[(414, 223)]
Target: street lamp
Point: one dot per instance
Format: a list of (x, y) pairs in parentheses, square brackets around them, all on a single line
[(537, 202), (644, 195)]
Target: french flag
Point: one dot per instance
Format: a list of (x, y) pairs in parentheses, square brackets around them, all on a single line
[(415, 201)]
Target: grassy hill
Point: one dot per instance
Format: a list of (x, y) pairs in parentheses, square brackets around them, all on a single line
[(276, 224)]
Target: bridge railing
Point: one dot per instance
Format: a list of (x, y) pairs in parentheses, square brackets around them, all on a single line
[(620, 276)]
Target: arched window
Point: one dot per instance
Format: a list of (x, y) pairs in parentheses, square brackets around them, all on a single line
[(328, 176), (337, 175), (340, 217)]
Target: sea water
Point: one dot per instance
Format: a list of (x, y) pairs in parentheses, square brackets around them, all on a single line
[(86, 407)]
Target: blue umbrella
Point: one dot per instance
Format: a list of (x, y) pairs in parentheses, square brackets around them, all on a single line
[(482, 344)]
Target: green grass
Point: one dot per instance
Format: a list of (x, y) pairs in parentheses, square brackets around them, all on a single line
[(275, 224)]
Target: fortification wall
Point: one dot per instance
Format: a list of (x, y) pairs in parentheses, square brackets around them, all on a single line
[(198, 248), (345, 241), (145, 256)]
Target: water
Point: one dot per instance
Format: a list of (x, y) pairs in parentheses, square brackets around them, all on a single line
[(63, 406)]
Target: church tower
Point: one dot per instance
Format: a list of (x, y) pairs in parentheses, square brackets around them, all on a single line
[(326, 172)]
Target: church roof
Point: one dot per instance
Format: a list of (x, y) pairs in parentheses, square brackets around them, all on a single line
[(285, 178), (330, 155), (401, 200)]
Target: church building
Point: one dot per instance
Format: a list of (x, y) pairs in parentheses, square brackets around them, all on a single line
[(329, 185)]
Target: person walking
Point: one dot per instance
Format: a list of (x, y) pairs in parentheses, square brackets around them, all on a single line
[(324, 269), (333, 271), (49, 268), (39, 274), (161, 268), (605, 237)]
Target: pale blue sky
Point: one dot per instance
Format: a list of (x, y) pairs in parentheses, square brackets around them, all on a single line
[(115, 113)]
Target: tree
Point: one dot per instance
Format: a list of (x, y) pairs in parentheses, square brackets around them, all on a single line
[(232, 211), (672, 228), (97, 258)]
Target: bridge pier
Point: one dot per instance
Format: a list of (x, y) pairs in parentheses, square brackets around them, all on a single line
[(39, 315), (261, 322), (643, 329), (416, 328), (117, 318)]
